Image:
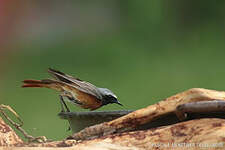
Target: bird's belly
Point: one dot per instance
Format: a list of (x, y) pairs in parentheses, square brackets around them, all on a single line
[(88, 101)]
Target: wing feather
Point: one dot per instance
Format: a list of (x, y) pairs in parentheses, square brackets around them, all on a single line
[(77, 83)]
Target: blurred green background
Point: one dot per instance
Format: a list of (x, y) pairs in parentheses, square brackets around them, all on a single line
[(144, 51)]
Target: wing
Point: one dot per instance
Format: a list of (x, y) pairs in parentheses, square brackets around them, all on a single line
[(76, 83)]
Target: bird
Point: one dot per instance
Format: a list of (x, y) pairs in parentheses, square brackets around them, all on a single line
[(77, 91)]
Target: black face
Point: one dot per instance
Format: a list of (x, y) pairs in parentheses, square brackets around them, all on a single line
[(109, 99)]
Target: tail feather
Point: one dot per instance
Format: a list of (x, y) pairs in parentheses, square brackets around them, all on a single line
[(31, 85), (47, 83), (39, 83)]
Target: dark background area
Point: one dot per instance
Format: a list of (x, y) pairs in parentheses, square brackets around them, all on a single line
[(144, 51)]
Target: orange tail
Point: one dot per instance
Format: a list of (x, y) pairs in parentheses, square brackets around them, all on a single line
[(38, 83), (42, 83)]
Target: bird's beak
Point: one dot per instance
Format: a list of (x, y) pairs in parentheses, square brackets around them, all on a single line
[(119, 103)]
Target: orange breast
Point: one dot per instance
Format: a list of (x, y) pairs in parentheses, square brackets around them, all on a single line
[(89, 101)]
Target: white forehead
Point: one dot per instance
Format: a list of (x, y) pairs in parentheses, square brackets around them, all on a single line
[(106, 91)]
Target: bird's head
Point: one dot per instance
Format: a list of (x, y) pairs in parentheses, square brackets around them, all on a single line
[(108, 97)]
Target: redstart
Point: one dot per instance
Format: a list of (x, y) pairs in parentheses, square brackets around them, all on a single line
[(79, 92)]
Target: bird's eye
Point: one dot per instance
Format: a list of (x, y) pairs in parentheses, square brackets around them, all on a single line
[(110, 96)]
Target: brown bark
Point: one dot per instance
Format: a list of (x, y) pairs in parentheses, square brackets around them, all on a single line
[(195, 132), (150, 113), (7, 136), (208, 133), (192, 135)]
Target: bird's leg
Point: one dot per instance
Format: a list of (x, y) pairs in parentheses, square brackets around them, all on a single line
[(199, 107), (62, 102)]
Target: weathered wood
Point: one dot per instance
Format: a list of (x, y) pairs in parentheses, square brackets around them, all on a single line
[(150, 113), (186, 135), (7, 135), (191, 135), (208, 133)]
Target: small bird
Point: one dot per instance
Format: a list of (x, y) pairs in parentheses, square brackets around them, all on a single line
[(79, 92)]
